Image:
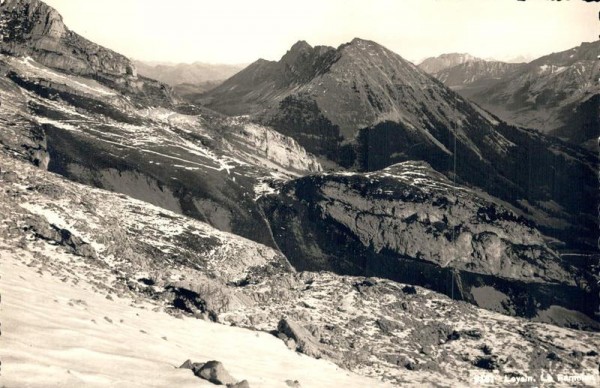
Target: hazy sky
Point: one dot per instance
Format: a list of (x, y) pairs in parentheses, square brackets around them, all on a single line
[(241, 31)]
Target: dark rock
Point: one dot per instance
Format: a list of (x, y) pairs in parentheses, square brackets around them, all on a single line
[(433, 333), (196, 366), (186, 365), (9, 176), (472, 333), (293, 383), (215, 372), (486, 349), (46, 231), (486, 362), (409, 290)]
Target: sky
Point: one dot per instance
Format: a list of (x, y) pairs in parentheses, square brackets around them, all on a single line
[(241, 31)]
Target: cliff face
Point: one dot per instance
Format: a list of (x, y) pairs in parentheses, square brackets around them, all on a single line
[(34, 29), (37, 30), (408, 223)]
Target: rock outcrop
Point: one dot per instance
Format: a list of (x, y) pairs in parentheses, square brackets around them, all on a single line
[(411, 224), (215, 372), (34, 29)]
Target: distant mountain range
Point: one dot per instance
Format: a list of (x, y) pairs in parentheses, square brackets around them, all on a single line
[(433, 65), (558, 94), (188, 80), (187, 73)]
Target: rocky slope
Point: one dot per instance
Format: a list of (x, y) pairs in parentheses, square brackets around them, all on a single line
[(557, 94), (434, 65), (213, 168), (410, 224), (367, 120), (203, 166), (140, 270), (33, 29)]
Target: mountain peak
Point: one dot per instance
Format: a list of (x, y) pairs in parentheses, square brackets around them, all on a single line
[(298, 50), (358, 40), (301, 45)]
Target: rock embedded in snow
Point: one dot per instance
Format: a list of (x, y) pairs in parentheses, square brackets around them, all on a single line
[(215, 372), (305, 342)]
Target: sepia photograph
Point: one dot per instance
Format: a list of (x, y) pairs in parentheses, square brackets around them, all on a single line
[(272, 193)]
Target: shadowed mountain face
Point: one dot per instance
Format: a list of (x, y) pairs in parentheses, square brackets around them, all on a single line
[(557, 93), (366, 108)]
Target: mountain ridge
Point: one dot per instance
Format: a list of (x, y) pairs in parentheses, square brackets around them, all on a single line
[(368, 120), (556, 93)]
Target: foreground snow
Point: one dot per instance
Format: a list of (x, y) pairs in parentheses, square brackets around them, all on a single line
[(56, 334)]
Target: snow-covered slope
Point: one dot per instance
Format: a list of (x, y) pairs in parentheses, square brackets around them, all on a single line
[(60, 328)]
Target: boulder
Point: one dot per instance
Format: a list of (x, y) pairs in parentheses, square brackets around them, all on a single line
[(305, 342), (215, 372)]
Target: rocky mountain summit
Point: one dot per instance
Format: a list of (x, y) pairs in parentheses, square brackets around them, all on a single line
[(557, 94), (365, 120), (471, 76)]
